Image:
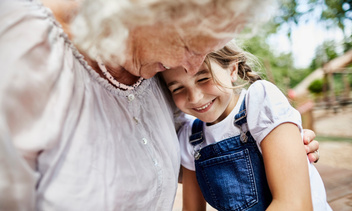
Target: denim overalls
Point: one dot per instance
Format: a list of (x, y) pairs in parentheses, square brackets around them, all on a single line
[(231, 172)]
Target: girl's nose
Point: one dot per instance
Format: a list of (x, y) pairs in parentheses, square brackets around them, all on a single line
[(194, 95)]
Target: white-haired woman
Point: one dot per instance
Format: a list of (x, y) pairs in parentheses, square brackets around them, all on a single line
[(97, 132)]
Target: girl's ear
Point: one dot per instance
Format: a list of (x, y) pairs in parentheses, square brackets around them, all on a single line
[(234, 71)]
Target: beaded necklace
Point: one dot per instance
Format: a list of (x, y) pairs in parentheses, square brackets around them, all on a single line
[(114, 81)]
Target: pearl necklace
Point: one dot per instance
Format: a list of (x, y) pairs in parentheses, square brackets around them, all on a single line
[(114, 81)]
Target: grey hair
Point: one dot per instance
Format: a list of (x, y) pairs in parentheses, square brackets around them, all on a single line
[(102, 27)]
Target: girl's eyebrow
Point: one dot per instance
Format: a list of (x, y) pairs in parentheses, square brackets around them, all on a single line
[(202, 72), (171, 83)]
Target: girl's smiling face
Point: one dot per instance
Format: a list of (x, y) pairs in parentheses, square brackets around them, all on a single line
[(199, 95)]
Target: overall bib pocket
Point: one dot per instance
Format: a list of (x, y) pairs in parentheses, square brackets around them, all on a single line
[(228, 181)]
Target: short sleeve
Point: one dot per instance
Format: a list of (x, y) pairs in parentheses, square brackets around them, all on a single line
[(267, 108), (187, 159)]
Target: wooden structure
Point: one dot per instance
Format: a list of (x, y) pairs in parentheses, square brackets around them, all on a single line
[(301, 93)]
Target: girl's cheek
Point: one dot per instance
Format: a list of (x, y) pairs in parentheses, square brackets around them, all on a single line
[(179, 100)]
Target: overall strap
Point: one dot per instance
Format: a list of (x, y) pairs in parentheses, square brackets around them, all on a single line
[(197, 133), (197, 137), (240, 117), (240, 121)]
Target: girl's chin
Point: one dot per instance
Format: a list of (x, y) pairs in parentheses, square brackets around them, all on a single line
[(207, 120)]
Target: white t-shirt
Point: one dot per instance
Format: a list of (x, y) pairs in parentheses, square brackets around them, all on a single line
[(68, 139), (267, 107)]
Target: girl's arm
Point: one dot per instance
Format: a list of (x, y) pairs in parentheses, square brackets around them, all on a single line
[(192, 197), (286, 169)]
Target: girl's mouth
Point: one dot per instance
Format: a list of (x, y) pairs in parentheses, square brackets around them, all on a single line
[(205, 107)]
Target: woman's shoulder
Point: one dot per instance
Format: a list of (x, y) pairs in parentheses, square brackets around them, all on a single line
[(38, 62), (20, 14), (30, 33), (34, 44)]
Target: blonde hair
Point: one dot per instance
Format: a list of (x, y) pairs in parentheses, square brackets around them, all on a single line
[(102, 27), (231, 54)]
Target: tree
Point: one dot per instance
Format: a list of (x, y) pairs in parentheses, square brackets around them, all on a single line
[(316, 86), (292, 12), (331, 13), (277, 67), (324, 53), (337, 11)]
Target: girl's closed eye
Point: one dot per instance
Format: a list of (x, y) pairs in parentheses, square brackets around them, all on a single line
[(202, 80), (175, 90), (203, 76)]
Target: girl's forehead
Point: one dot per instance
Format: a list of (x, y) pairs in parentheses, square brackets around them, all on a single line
[(181, 74)]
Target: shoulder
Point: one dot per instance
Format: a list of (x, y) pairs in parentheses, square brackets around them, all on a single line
[(34, 46), (22, 15), (261, 83), (263, 93), (28, 26), (267, 107), (186, 129), (263, 88), (30, 35)]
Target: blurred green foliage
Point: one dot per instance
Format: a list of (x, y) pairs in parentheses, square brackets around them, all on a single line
[(316, 86), (279, 66)]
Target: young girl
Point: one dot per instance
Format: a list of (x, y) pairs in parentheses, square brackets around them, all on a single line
[(245, 150)]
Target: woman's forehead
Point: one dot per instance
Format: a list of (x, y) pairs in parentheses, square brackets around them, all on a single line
[(204, 40), (205, 44)]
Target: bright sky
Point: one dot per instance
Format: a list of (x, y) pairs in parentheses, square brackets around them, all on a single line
[(307, 35), (305, 38)]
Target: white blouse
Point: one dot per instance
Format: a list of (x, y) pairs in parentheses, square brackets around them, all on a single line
[(68, 139)]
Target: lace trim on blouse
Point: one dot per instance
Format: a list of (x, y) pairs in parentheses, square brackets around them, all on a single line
[(138, 88)]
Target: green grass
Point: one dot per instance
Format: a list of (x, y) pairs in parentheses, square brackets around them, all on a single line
[(334, 138)]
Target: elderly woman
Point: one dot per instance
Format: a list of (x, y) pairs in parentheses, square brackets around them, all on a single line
[(89, 128)]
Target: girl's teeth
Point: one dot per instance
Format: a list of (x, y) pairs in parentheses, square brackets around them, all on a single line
[(204, 107), (166, 67)]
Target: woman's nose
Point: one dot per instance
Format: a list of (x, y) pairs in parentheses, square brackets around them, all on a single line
[(193, 62)]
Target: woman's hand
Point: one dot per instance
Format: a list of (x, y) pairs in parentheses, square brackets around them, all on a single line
[(311, 145)]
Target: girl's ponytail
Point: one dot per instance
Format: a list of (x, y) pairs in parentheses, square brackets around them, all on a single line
[(233, 54), (246, 73)]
